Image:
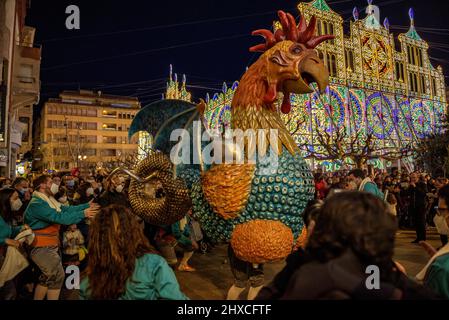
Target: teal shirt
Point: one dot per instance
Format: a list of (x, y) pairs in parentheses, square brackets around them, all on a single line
[(39, 215), (371, 187), (7, 232), (437, 277), (152, 279)]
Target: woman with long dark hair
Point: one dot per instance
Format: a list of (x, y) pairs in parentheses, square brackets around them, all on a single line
[(9, 203), (352, 239), (122, 264)]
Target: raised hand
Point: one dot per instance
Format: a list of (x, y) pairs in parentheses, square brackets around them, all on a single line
[(93, 205), (12, 243), (91, 213)]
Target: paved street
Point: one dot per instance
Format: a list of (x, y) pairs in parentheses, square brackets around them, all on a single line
[(213, 276)]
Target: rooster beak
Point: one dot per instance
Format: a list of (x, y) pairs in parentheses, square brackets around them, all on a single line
[(312, 69)]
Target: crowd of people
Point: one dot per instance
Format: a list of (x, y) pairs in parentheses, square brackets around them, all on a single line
[(411, 197), (87, 221)]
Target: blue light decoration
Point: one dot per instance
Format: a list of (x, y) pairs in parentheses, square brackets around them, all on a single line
[(386, 24), (225, 87), (411, 14), (355, 13)]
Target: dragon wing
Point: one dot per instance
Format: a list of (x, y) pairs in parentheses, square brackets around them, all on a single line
[(160, 118)]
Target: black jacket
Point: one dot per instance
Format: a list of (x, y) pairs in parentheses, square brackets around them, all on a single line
[(340, 278), (418, 197)]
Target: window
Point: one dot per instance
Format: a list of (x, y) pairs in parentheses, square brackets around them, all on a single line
[(399, 68), (85, 102), (110, 140), (423, 84), (48, 138), (109, 126), (319, 29), (413, 82), (90, 152), (121, 105), (108, 153), (420, 57), (60, 152), (109, 114), (331, 65), (434, 87), (331, 31), (325, 27), (349, 60), (26, 73), (91, 113), (411, 55), (26, 132)]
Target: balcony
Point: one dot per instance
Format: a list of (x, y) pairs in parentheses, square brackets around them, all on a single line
[(110, 140), (109, 127), (109, 114), (26, 72)]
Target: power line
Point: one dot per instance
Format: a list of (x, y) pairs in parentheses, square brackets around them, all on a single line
[(160, 27), (184, 45), (173, 25)]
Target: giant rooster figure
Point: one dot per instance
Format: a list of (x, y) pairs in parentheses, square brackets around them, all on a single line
[(257, 207)]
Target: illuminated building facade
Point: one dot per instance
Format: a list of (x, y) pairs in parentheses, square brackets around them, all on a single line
[(381, 87)]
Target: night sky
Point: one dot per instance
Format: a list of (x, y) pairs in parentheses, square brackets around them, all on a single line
[(126, 47)]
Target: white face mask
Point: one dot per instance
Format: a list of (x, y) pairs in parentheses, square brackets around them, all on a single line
[(16, 205), (54, 188), (119, 188), (63, 199), (90, 192)]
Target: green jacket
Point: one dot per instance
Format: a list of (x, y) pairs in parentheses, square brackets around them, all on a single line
[(152, 279), (437, 278), (372, 188), (7, 232), (40, 215)]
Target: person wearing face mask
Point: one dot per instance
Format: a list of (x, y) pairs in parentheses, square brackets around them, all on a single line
[(61, 196), (9, 203), (45, 215), (21, 185), (113, 193), (84, 194), (435, 274)]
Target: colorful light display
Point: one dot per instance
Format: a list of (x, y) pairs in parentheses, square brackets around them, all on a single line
[(397, 96)]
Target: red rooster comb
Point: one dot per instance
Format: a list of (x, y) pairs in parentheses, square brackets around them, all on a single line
[(303, 33)]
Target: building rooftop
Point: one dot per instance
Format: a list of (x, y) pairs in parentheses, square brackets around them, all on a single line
[(90, 97)]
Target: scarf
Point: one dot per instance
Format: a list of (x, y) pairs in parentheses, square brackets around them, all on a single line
[(443, 251), (52, 202), (364, 182)]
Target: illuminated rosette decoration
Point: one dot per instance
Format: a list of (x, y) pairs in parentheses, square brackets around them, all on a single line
[(378, 113)]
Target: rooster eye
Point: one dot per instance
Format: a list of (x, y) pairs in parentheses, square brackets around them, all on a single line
[(296, 50)]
